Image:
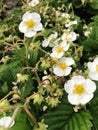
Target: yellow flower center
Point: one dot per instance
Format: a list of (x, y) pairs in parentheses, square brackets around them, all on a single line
[(63, 66), (59, 49), (79, 89), (66, 32), (97, 68), (66, 38), (34, 2), (30, 24)]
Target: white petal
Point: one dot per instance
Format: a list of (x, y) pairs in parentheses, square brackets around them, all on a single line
[(30, 33), (57, 55), (67, 25), (73, 99), (78, 79), (67, 71), (69, 86), (26, 16), (45, 43), (69, 61), (90, 86), (74, 22), (72, 36), (22, 27), (5, 121), (38, 27), (53, 44), (36, 17), (57, 71), (52, 36), (96, 60), (85, 98), (93, 75), (64, 36), (33, 3), (65, 45), (91, 66)]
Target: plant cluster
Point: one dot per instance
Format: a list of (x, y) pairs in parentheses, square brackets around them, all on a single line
[(48, 64)]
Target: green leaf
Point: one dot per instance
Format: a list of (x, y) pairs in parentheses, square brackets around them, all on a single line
[(4, 89), (64, 118), (58, 117), (93, 106), (90, 45), (26, 88), (94, 4), (95, 18), (6, 75), (79, 121), (8, 71), (94, 34), (47, 32), (33, 57)]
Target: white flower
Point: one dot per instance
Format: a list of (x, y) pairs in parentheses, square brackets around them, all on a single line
[(93, 69), (69, 36), (65, 15), (80, 90), (6, 120), (70, 23), (62, 68), (31, 23), (50, 40), (58, 50), (33, 3)]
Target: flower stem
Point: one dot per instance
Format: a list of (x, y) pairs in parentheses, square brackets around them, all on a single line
[(10, 93), (13, 117), (31, 116)]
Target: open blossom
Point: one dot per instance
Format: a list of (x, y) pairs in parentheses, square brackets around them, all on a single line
[(33, 3), (93, 69), (69, 36), (6, 120), (62, 68), (31, 23), (58, 50), (80, 90), (50, 41)]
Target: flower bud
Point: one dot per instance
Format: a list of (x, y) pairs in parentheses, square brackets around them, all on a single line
[(22, 77), (54, 86), (38, 98), (5, 59), (59, 92), (52, 101), (4, 103), (45, 64)]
